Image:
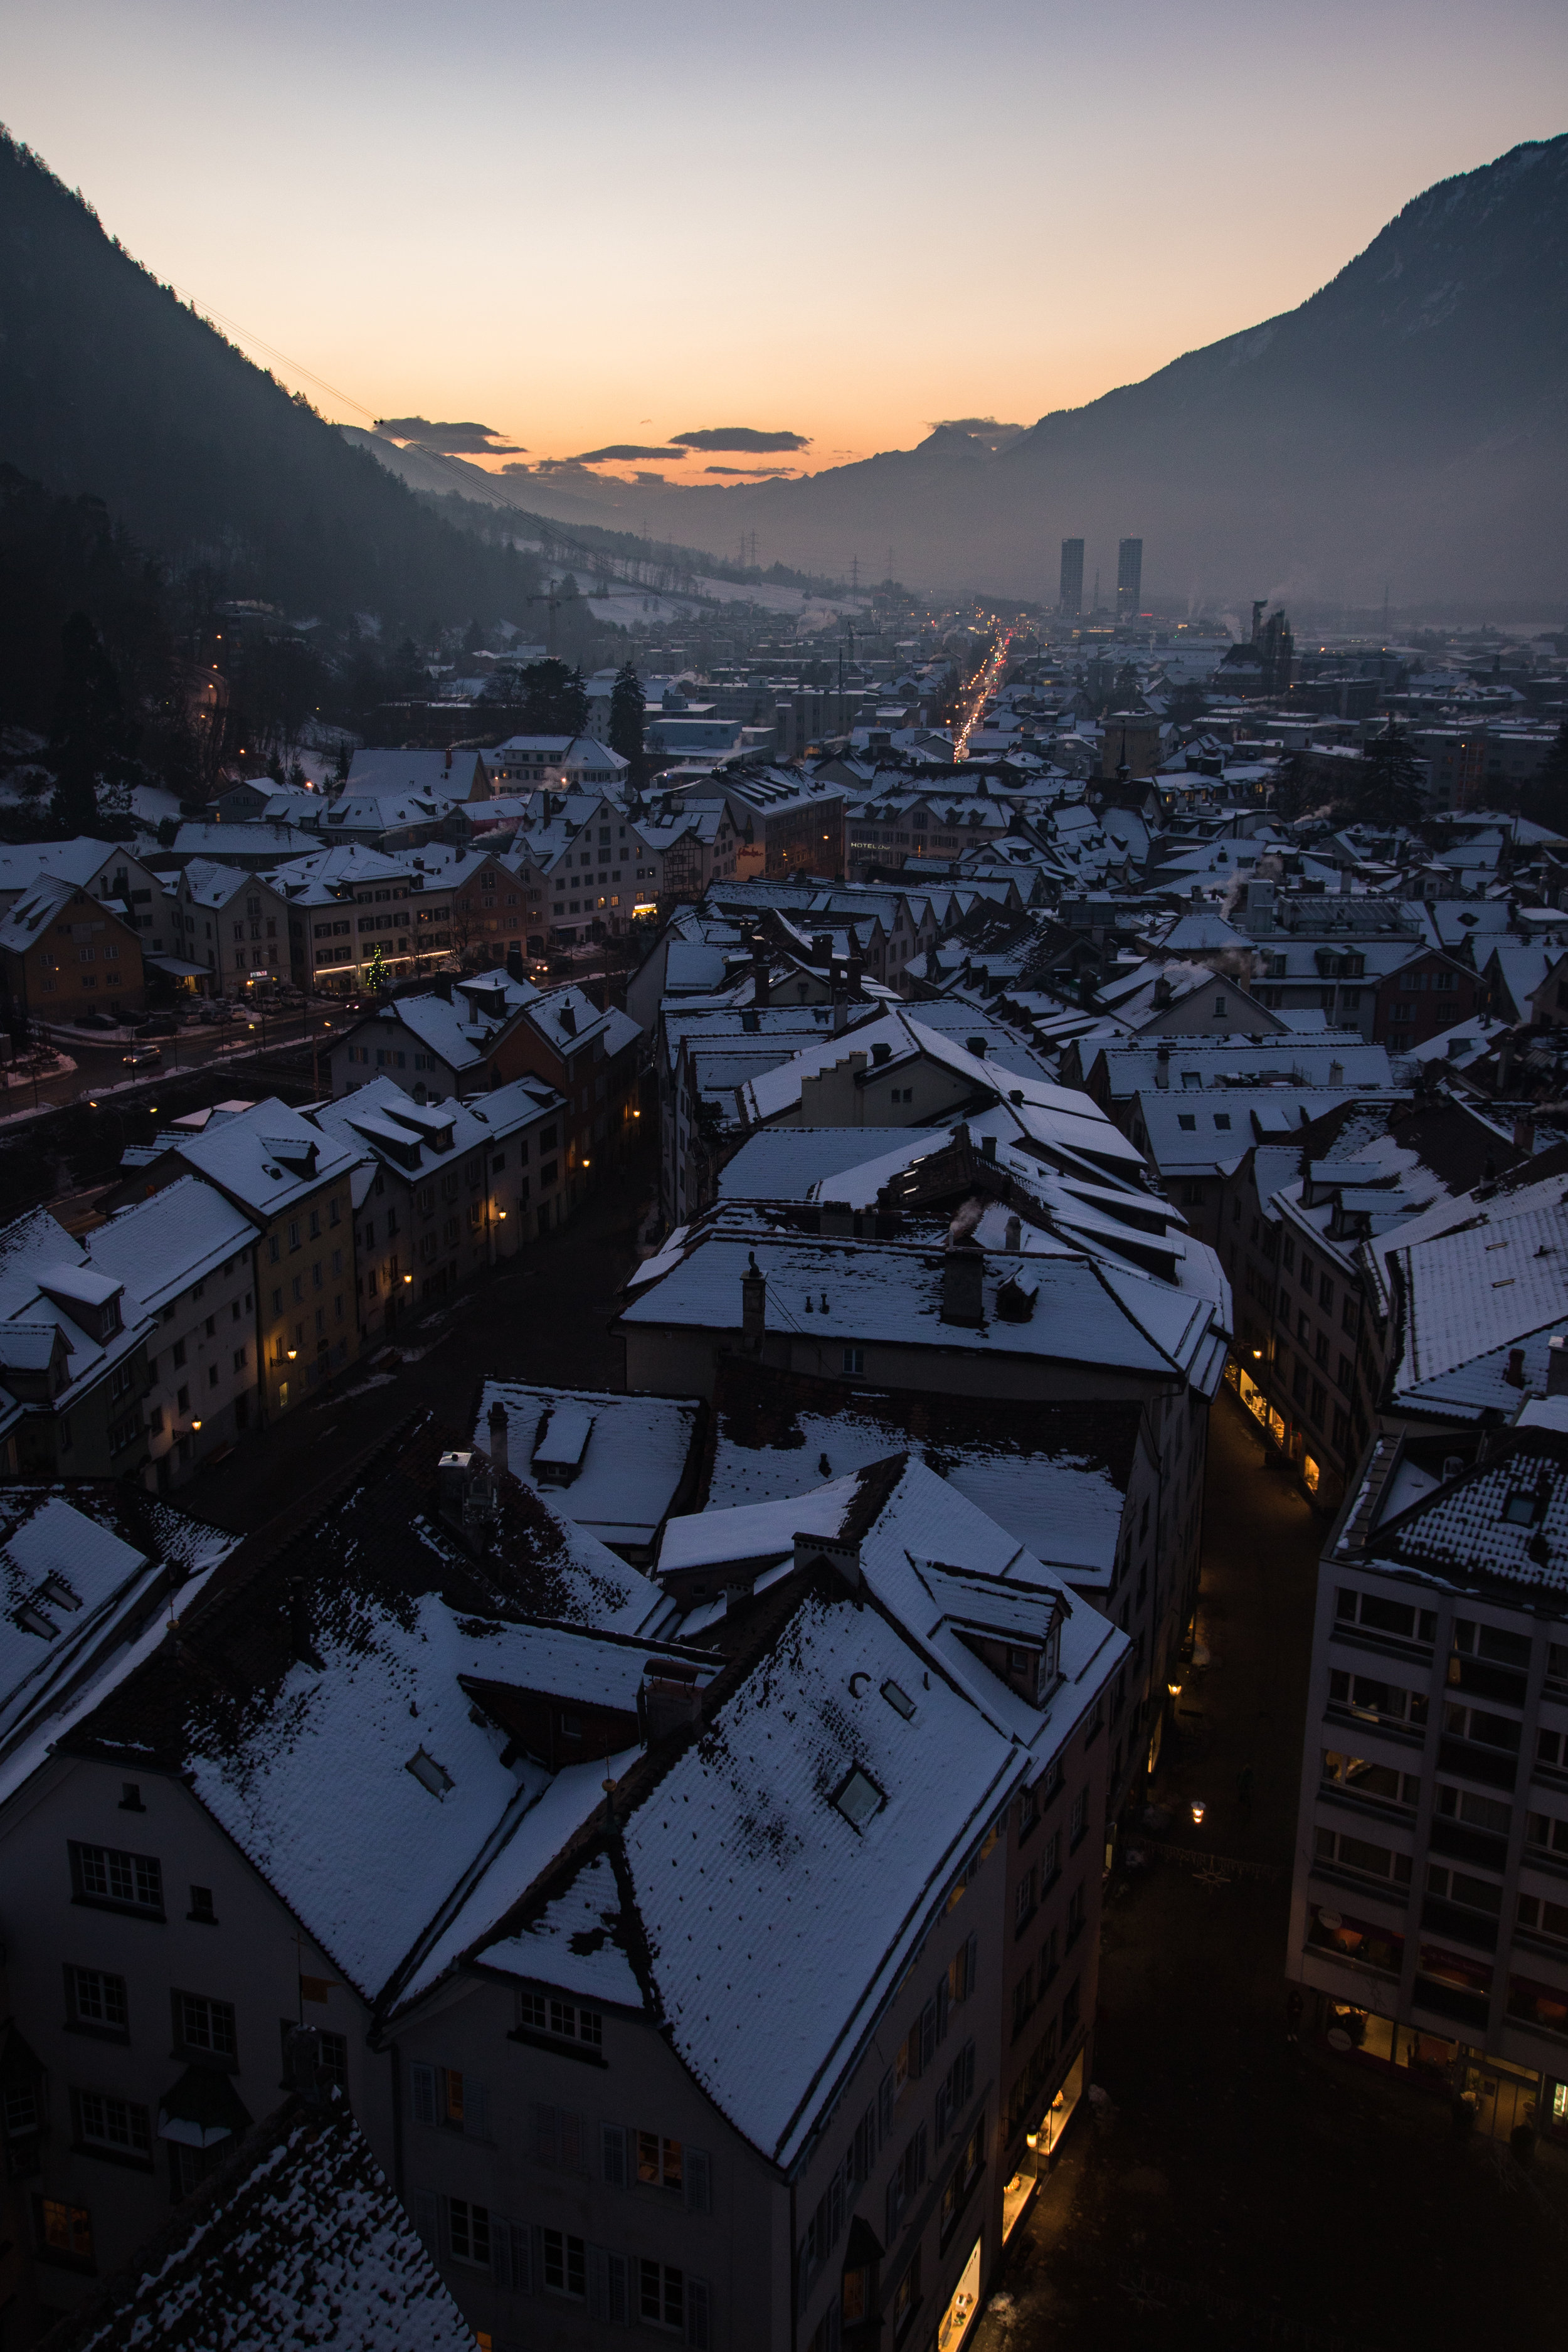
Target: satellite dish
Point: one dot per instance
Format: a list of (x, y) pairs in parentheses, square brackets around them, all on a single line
[(1338, 2039), (1330, 1920)]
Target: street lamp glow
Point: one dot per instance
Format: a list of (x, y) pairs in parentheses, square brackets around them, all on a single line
[(1198, 1809)]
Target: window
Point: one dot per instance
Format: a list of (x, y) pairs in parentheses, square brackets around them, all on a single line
[(971, 2165), (1380, 1782), (1375, 1701), (1079, 1821), (661, 2297), (469, 2233), (96, 2002), (1489, 1730), (202, 1909), (565, 2264), (1337, 1847), (658, 2161), (858, 1798), (112, 2126), (542, 2014), (853, 1359), (907, 2298), (558, 2139), (908, 2177), (1382, 1616), (126, 1881), (205, 2025), (1544, 1918), (64, 2231)]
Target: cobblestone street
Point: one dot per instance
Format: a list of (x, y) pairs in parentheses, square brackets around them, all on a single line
[(1235, 2191)]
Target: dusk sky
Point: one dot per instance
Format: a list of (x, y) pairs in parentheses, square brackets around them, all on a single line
[(612, 224)]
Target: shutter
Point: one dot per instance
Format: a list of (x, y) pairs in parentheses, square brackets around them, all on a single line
[(500, 2251), (699, 2181), (612, 2155), (942, 2005), (919, 2157), (970, 1958), (422, 2092), (620, 2309), (515, 2239), (943, 2100), (968, 2070), (696, 2332), (546, 2138), (475, 2109), (428, 2220), (598, 2283), (569, 2129)]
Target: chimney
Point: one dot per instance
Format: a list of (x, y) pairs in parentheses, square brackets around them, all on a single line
[(1345, 880), (1014, 1233), (761, 982), (881, 1053), (753, 1305), (1557, 1367), (1514, 1375), (671, 1696), (1162, 1065), (303, 2065), (498, 1429), (1336, 1073), (963, 1287), (976, 1046), (857, 968), (1524, 1134)]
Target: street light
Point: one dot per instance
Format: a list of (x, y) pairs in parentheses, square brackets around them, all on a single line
[(1198, 1810)]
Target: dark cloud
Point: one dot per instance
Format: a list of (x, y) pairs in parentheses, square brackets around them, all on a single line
[(740, 436), (748, 473), (623, 453), (451, 440)]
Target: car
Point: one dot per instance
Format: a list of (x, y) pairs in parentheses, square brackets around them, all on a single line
[(144, 1057), (158, 1024)]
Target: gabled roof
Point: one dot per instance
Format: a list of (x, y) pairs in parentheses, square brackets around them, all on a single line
[(298, 2240)]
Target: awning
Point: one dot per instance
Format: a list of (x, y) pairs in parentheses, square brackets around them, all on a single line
[(176, 970), (202, 2109)]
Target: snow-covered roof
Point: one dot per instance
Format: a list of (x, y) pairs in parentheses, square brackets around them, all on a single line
[(625, 1470)]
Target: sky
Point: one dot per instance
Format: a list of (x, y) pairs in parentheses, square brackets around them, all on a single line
[(614, 223)]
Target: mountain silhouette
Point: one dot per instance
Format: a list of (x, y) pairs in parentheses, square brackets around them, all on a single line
[(1405, 428), (110, 387)]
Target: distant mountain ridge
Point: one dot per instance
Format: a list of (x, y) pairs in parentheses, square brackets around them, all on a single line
[(1406, 426), (111, 388)]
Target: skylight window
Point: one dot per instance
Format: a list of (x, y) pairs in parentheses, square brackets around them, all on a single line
[(1519, 1511), (428, 1773), (1187, 1121), (1221, 1119), (858, 1798), (899, 1700)]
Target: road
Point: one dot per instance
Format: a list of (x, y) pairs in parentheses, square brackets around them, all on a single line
[(101, 1069), (1242, 2192), (987, 681)]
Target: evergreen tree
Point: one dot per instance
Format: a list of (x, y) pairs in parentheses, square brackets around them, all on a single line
[(626, 707), (1391, 791), (91, 741), (554, 700), (473, 638), (340, 760)]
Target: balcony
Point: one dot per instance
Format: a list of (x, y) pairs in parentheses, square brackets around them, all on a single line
[(1467, 1927), (1490, 1765)]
